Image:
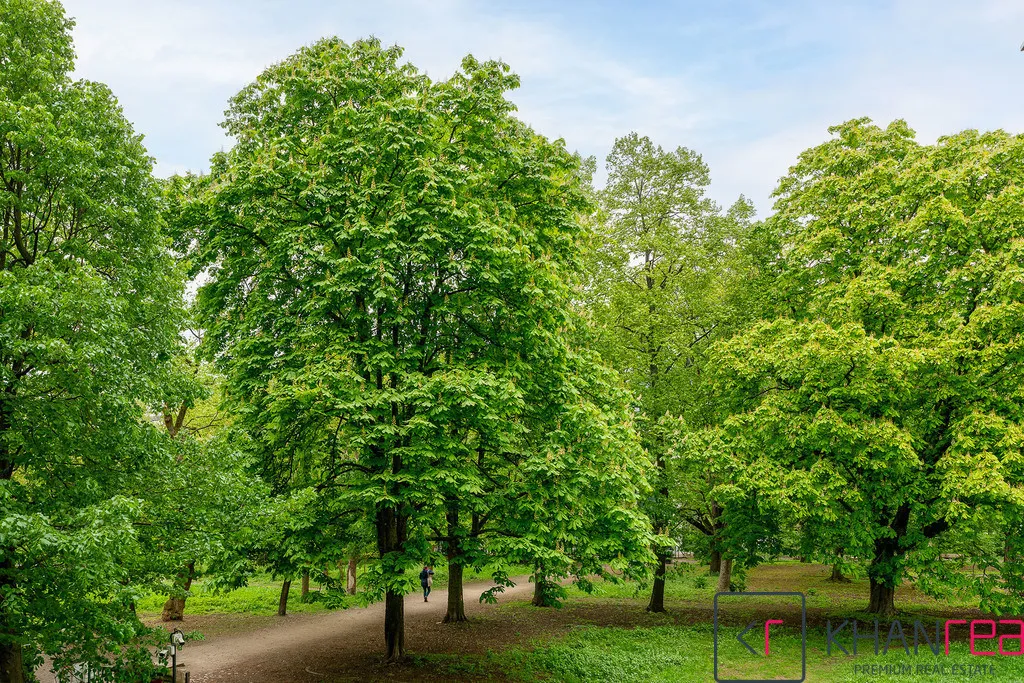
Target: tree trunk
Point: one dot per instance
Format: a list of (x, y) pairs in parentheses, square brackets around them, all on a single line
[(394, 626), (174, 608), (282, 604), (885, 569), (12, 667), (541, 597), (837, 575), (353, 563), (883, 599), (538, 589), (717, 527), (657, 603), (716, 562), (304, 597), (725, 576), (456, 602), (391, 536)]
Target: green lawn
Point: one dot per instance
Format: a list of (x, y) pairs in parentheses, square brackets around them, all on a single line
[(685, 654), (690, 584), (680, 646), (261, 596)]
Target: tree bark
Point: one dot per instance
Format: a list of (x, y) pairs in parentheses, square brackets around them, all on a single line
[(885, 569), (394, 626), (391, 536), (725, 576), (538, 591), (716, 562), (883, 599), (174, 608), (717, 526), (837, 575), (12, 666), (657, 603), (456, 602), (353, 563), (282, 604)]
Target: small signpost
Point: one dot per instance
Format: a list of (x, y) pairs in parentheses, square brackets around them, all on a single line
[(169, 655)]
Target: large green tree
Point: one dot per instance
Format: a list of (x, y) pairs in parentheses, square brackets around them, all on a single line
[(89, 308), (388, 293), (886, 383), (664, 270)]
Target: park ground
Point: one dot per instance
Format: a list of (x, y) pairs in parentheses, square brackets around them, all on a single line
[(603, 636)]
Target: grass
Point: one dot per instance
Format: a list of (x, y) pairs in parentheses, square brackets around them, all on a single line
[(685, 654), (261, 596), (690, 584), (680, 646)]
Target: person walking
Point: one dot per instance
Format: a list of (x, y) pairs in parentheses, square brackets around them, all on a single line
[(426, 580)]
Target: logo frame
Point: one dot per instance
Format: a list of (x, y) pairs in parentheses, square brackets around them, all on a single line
[(803, 636)]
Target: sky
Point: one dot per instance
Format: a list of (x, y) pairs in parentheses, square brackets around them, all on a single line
[(746, 84)]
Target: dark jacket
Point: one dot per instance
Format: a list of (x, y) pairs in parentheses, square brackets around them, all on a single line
[(425, 576)]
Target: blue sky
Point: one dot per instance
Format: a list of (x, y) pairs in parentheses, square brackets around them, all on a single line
[(747, 84)]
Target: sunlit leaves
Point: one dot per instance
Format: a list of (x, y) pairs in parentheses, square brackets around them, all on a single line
[(894, 363), (89, 313)]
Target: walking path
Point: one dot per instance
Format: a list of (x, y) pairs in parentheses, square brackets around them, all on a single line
[(334, 646)]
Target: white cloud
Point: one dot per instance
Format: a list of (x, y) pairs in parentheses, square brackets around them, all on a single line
[(749, 85)]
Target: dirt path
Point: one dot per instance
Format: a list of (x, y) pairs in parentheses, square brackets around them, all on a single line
[(346, 645), (334, 646)]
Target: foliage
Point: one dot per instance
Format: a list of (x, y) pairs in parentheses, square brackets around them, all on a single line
[(89, 312), (664, 274), (387, 299), (885, 395)]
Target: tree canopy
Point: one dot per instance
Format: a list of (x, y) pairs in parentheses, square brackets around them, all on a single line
[(89, 313), (665, 276), (394, 315), (888, 375), (389, 299)]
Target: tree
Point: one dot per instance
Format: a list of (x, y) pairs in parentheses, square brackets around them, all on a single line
[(194, 505), (89, 308), (663, 269), (387, 271), (197, 504), (566, 497), (887, 381)]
